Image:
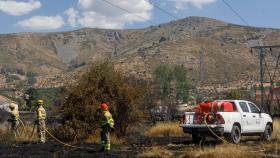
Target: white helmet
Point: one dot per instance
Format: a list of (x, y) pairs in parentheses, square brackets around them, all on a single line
[(12, 106)]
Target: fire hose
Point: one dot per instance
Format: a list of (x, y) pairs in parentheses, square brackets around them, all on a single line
[(24, 129), (205, 122), (63, 143), (33, 130), (56, 139)]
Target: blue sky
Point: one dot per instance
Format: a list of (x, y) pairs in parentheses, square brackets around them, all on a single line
[(65, 15)]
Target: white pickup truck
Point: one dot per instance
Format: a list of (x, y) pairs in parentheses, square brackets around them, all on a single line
[(246, 119)]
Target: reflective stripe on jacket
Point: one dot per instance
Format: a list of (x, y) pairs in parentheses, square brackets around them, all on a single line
[(107, 119), (14, 115), (41, 113)]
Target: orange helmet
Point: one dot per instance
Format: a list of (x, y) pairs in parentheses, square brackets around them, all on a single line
[(104, 106)]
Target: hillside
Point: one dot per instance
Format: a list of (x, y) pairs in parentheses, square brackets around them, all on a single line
[(53, 57)]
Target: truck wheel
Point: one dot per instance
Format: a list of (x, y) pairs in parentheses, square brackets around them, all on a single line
[(197, 139), (267, 134), (234, 136)]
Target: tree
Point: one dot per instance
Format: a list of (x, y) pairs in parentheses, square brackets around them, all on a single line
[(163, 77), (171, 81), (234, 94), (49, 95), (81, 112), (182, 85)]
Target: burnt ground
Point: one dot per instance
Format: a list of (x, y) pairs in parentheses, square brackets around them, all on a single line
[(138, 144), (135, 143), (53, 149)]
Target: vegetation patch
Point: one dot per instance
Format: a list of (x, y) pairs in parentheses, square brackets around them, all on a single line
[(81, 109), (50, 96)]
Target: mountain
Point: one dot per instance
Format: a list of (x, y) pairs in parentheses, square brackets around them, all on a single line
[(220, 50)]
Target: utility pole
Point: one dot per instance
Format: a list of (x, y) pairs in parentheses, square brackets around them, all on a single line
[(261, 75), (262, 51)]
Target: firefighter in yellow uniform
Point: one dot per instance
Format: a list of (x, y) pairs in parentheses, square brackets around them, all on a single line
[(14, 119), (107, 125), (40, 122)]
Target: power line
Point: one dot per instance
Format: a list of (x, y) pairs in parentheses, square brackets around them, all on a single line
[(123, 9), (166, 12), (235, 12)]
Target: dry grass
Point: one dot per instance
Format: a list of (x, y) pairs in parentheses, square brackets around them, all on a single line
[(225, 151), (6, 135), (165, 129), (221, 151), (274, 146), (276, 129)]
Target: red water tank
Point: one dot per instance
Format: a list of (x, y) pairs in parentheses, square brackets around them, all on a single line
[(228, 107), (208, 106), (222, 107), (205, 106)]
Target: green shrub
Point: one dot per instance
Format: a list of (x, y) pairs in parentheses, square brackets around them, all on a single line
[(171, 83), (49, 95)]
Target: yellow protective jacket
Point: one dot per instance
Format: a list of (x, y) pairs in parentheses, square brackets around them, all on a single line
[(41, 113), (107, 120), (14, 115)]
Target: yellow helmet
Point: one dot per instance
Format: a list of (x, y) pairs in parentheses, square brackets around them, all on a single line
[(40, 102), (12, 105)]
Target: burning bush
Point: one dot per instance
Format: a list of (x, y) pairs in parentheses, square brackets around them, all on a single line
[(102, 83)]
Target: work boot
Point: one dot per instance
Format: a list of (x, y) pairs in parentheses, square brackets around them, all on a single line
[(107, 148)]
